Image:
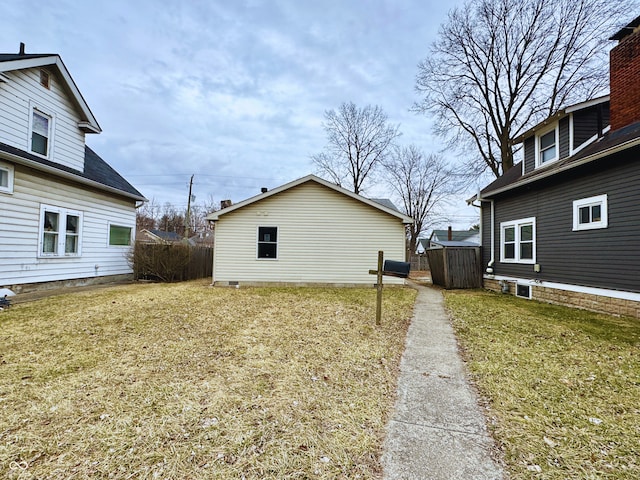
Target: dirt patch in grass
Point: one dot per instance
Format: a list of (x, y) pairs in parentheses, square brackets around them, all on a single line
[(562, 384), (189, 381)]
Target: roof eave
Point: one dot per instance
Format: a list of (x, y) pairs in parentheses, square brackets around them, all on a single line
[(70, 176), (590, 158), (215, 216)]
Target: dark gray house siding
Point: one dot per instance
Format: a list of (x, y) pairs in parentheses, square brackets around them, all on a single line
[(563, 133), (606, 258), (530, 154), (586, 123)]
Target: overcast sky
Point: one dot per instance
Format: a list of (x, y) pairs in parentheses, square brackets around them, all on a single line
[(233, 91)]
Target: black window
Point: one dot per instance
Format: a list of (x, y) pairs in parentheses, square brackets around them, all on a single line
[(267, 242)]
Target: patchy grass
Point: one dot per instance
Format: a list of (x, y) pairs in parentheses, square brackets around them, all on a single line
[(189, 381), (563, 385)]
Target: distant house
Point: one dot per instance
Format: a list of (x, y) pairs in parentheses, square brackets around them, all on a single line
[(157, 236), (308, 231), (563, 225), (67, 216), (454, 238)]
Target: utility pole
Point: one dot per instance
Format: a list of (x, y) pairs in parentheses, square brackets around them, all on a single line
[(187, 220)]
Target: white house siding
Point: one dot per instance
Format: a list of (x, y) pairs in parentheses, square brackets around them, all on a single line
[(323, 237), (19, 230), (19, 95)]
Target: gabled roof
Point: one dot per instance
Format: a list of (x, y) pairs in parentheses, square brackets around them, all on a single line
[(12, 61), (309, 178), (612, 142), (97, 173)]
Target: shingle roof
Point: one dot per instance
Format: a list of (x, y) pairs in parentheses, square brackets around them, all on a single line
[(386, 202), (167, 236), (616, 140), (456, 235), (8, 57), (96, 170)]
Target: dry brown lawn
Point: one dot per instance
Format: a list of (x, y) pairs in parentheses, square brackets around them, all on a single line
[(186, 381)]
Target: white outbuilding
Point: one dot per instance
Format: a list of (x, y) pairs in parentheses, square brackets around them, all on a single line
[(306, 232)]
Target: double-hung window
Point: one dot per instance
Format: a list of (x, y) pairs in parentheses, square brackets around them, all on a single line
[(60, 232), (6, 178), (547, 146), (590, 213), (518, 241), (41, 126), (268, 242)]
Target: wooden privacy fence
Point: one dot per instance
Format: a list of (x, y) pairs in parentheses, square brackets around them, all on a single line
[(419, 262), (171, 262), (456, 267)]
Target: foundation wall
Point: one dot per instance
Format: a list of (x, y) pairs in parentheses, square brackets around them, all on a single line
[(586, 301)]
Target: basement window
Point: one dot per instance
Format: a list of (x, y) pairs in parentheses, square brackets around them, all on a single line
[(523, 291), (268, 242)]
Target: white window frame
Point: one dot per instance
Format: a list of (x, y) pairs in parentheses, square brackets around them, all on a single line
[(258, 242), (524, 285), (555, 128), (9, 171), (517, 224), (34, 108), (597, 200), (114, 224), (61, 232)]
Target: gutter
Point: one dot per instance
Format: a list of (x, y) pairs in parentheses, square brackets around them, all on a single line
[(69, 176)]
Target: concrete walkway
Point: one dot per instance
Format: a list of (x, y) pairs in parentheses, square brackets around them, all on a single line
[(437, 430)]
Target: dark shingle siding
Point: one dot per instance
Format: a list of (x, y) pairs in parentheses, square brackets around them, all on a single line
[(605, 258), (530, 154), (585, 123), (563, 141)]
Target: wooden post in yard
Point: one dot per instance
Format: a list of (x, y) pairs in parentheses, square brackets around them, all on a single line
[(379, 287)]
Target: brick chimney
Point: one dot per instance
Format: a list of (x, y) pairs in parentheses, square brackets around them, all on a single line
[(624, 76)]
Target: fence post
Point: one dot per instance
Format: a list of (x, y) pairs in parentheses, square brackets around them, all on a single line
[(379, 288)]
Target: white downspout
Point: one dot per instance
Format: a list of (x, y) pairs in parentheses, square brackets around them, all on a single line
[(493, 230), (492, 260)]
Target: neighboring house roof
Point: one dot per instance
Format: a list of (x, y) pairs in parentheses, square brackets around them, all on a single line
[(17, 61), (612, 142), (159, 236), (386, 202), (454, 243), (310, 178), (96, 173), (456, 235)]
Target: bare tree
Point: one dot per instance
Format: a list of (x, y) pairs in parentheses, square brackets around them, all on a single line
[(147, 215), (500, 66), (422, 183), (358, 140)]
